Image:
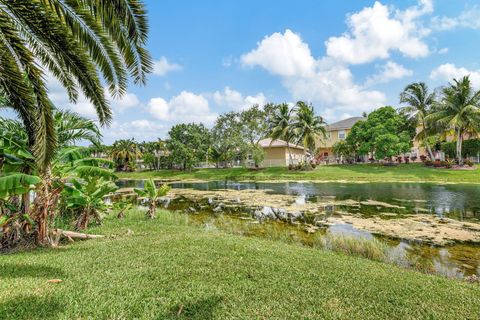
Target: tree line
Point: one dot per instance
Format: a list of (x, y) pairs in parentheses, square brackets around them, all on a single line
[(430, 117), (235, 136)]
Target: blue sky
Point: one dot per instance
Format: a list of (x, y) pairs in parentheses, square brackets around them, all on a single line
[(344, 56)]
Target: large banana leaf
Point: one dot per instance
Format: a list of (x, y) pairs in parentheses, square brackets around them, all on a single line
[(16, 184)]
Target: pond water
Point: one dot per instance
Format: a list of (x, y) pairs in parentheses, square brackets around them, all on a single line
[(459, 201), (456, 201)]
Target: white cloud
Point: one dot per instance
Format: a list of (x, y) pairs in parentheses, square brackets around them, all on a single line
[(185, 107), (376, 31), (469, 18), (448, 71), (443, 51), (141, 130), (83, 106), (325, 82), (389, 71), (282, 54), (334, 88), (235, 100), (162, 67)]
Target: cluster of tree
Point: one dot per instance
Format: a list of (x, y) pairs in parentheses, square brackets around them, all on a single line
[(428, 117), (236, 135), (385, 133)]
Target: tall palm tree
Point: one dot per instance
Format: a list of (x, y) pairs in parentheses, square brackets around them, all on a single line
[(124, 153), (459, 110), (307, 126), (419, 105), (79, 43), (281, 126)]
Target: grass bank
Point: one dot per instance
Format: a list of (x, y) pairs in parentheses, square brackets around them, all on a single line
[(352, 173), (169, 270)]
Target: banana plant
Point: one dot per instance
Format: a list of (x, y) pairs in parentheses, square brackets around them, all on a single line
[(15, 224), (88, 181), (152, 193)]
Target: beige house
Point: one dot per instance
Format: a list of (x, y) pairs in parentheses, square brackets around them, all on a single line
[(277, 155), (336, 131)]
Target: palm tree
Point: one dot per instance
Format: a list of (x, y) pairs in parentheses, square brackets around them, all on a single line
[(80, 43), (281, 126), (71, 128), (124, 153), (307, 126), (459, 111), (419, 105)]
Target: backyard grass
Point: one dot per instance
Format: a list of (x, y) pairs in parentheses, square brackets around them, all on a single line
[(352, 173), (169, 270)]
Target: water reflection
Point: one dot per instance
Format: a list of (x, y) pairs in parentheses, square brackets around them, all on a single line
[(459, 201)]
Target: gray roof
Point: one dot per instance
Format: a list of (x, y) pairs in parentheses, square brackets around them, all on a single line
[(344, 124)]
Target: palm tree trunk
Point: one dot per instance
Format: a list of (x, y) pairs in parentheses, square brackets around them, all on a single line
[(429, 149), (459, 147), (152, 209), (42, 206), (290, 160)]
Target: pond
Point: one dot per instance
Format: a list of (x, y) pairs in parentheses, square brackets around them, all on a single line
[(460, 202), (456, 201)]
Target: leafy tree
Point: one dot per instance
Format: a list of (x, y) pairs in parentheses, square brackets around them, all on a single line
[(152, 193), (419, 103), (81, 43), (254, 124), (188, 144), (343, 149), (308, 128), (459, 111), (154, 153), (227, 141), (382, 134), (124, 153)]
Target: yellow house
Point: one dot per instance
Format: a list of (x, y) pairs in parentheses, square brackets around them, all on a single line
[(277, 154), (336, 131)]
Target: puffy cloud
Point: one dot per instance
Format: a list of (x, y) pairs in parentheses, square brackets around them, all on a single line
[(325, 82), (185, 107), (389, 71), (141, 130), (235, 100), (334, 88), (376, 31), (448, 71), (162, 67), (282, 54), (83, 106)]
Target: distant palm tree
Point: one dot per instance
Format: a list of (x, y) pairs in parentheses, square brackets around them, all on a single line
[(281, 126), (80, 43), (419, 105), (459, 110), (124, 153), (308, 128)]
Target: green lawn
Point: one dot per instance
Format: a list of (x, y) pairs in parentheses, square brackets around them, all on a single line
[(354, 173), (167, 266)]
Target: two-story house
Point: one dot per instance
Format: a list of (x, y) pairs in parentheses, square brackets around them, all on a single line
[(336, 131)]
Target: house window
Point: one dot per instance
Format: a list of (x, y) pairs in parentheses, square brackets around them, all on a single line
[(325, 154), (341, 134)]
